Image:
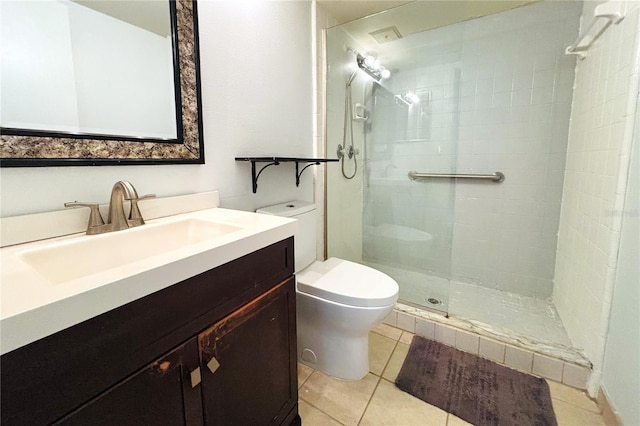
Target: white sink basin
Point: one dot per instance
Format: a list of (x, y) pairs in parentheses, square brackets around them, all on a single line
[(88, 255), (50, 282)]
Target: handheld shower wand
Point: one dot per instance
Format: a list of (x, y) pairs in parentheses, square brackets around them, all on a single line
[(351, 151)]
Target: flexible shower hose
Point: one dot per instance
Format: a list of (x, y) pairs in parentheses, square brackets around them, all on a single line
[(347, 122)]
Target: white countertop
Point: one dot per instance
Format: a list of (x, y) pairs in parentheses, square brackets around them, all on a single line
[(32, 307)]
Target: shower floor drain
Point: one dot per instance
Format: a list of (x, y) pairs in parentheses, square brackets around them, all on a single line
[(434, 301)]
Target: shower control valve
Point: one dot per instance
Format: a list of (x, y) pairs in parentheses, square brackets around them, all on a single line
[(352, 151)]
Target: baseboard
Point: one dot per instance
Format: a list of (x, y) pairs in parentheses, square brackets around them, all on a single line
[(608, 414)]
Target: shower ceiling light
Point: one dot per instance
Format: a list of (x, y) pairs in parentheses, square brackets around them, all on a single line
[(372, 66), (412, 97), (408, 98), (370, 61)]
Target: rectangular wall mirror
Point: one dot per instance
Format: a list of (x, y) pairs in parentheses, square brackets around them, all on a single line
[(91, 82)]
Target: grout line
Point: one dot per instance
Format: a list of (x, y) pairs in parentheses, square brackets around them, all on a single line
[(323, 412), (370, 398), (379, 378), (300, 385), (308, 402), (386, 364)]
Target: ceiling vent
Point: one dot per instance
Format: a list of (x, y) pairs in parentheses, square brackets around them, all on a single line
[(386, 35)]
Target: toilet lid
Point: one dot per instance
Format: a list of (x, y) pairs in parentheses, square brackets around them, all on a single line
[(348, 283)]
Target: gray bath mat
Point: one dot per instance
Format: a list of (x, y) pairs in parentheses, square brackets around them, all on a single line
[(477, 390)]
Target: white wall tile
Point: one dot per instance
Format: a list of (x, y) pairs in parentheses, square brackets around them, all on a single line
[(549, 368), (467, 342), (406, 322), (575, 375), (392, 319), (446, 335), (491, 349), (518, 358), (425, 328)]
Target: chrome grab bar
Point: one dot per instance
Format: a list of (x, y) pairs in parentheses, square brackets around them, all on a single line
[(495, 177)]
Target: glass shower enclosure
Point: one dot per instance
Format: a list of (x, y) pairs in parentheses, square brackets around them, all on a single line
[(470, 97)]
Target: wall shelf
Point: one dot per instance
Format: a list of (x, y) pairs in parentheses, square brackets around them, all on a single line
[(275, 161)]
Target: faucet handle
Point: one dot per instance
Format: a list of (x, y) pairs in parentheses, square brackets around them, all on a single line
[(95, 218), (135, 217)]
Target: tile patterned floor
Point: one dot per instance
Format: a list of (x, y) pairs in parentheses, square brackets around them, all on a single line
[(375, 400)]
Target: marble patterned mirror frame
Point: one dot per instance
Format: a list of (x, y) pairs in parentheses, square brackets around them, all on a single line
[(57, 150)]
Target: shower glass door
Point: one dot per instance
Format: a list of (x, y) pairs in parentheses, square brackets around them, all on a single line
[(408, 224), (407, 122)]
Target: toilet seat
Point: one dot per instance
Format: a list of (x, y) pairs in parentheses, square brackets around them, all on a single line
[(349, 283)]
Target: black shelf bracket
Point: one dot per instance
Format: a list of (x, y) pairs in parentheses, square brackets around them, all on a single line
[(275, 161), (298, 174)]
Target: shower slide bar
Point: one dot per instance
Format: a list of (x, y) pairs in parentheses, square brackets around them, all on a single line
[(495, 177), (612, 12)]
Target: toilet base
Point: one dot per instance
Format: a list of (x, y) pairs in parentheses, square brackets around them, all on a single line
[(334, 338), (346, 359)]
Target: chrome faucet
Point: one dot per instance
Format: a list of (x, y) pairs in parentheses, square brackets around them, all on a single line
[(121, 191), (117, 219)]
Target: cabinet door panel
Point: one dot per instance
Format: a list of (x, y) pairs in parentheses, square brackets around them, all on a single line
[(159, 394), (253, 377)]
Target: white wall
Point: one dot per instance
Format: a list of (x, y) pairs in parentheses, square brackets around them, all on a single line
[(323, 20), (621, 372), (600, 135), (257, 100)]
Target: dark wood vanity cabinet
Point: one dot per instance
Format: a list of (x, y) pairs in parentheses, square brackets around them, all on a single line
[(159, 394), (236, 377), (216, 349)]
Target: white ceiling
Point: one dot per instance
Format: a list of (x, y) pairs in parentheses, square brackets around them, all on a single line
[(349, 10), (409, 17)]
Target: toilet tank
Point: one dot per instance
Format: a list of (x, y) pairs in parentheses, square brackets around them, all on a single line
[(305, 238)]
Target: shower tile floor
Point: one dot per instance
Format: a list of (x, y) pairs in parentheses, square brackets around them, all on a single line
[(535, 318), (493, 310)]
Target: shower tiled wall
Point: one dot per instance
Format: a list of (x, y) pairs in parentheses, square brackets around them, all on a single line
[(344, 196), (496, 96), (604, 104)]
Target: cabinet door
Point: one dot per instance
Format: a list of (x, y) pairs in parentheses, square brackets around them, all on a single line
[(249, 362), (163, 393)]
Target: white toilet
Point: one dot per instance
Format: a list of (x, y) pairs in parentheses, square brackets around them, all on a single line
[(338, 302)]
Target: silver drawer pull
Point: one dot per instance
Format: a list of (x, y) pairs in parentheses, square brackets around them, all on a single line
[(196, 378), (213, 365)]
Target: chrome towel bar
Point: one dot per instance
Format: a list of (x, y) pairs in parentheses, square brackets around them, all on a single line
[(495, 177)]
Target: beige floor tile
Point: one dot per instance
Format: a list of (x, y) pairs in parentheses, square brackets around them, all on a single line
[(343, 400), (570, 415), (572, 396), (380, 349), (456, 421), (395, 363), (391, 406), (406, 337), (303, 373), (388, 331), (311, 416)]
